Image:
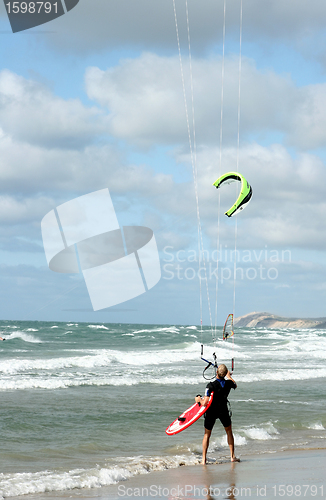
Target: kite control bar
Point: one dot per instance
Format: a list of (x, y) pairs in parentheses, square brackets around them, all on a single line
[(209, 363)]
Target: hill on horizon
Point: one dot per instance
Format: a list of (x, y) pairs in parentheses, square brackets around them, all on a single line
[(268, 320)]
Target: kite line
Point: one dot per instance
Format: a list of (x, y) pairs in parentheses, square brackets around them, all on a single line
[(242, 198)]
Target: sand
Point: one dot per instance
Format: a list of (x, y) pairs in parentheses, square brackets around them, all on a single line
[(296, 474)]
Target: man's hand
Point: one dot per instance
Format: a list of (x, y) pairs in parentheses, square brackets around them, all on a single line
[(229, 376)]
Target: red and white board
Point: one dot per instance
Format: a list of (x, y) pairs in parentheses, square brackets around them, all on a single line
[(188, 417)]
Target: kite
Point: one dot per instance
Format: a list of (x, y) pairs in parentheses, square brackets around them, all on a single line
[(245, 192)]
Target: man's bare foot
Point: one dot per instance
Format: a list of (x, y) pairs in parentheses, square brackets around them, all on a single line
[(235, 459), (202, 462)]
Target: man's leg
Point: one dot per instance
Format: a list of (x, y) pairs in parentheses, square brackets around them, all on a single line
[(230, 438), (207, 435)]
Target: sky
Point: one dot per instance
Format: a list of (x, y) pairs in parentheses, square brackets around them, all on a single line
[(96, 99)]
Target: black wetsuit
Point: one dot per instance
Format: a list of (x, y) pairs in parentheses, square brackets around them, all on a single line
[(219, 407)]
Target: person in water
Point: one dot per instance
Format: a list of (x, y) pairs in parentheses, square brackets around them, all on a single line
[(218, 409)]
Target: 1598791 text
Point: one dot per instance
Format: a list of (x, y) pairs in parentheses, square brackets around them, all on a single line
[(31, 7)]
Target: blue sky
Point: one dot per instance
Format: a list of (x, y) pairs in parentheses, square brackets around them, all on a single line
[(94, 99)]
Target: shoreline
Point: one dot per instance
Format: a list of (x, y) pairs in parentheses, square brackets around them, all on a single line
[(289, 474)]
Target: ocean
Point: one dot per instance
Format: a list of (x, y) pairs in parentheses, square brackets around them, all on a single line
[(86, 405)]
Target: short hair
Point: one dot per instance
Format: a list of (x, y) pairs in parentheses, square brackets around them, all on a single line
[(222, 371)]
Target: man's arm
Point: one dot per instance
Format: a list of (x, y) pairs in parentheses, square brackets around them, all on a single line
[(203, 401), (228, 375)]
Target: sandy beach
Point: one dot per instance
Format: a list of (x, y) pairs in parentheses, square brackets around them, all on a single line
[(295, 474)]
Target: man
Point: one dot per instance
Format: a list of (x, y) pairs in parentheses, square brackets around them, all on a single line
[(218, 409)]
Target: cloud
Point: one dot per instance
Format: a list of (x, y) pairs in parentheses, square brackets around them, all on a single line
[(31, 113), (29, 169), (107, 25), (25, 210), (146, 104), (145, 99), (309, 118), (287, 209)]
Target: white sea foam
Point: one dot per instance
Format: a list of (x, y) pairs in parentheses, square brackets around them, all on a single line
[(164, 329), (102, 358), (294, 402), (55, 364), (318, 426), (93, 360), (277, 375), (26, 337), (77, 380), (164, 356), (46, 481), (40, 482), (264, 433), (98, 327), (238, 441)]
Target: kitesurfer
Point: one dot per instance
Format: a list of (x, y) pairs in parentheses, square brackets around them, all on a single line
[(2, 338), (218, 409)]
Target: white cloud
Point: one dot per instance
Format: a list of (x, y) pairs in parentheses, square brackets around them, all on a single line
[(92, 26), (24, 210), (287, 209), (145, 102), (28, 169), (145, 99), (309, 118), (29, 112), (53, 149)]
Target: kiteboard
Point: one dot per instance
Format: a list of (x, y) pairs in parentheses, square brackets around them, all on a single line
[(188, 417)]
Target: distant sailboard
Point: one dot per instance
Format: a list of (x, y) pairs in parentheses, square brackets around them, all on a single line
[(229, 332), (228, 327), (188, 417), (245, 192)]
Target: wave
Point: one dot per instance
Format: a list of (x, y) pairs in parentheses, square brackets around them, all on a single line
[(295, 402), (12, 485), (293, 374), (98, 327), (251, 433), (165, 329), (26, 365), (318, 426), (222, 442), (264, 433), (72, 380), (102, 358), (119, 363), (26, 337)]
